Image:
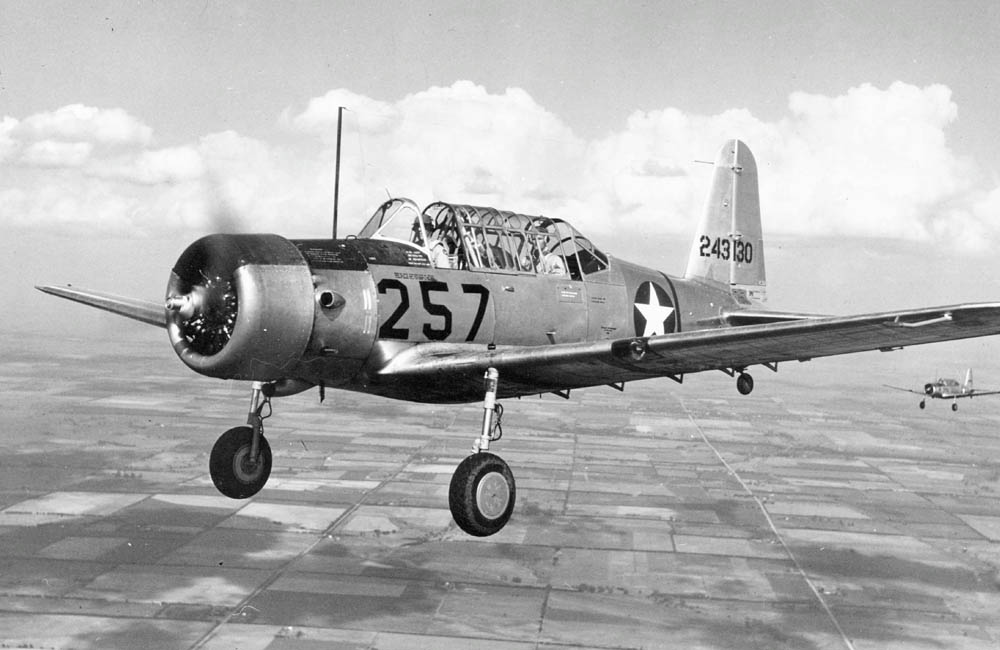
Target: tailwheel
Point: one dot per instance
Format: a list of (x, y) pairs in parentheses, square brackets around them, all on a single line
[(481, 496), (744, 383), (235, 471)]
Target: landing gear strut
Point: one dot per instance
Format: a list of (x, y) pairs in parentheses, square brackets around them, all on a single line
[(482, 492), (240, 462)]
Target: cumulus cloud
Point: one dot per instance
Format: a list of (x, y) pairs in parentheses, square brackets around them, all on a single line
[(52, 153), (79, 123), (868, 162)]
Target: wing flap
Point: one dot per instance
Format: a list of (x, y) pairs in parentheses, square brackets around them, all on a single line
[(141, 310), (758, 317)]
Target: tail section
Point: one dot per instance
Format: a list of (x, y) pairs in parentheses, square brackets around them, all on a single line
[(729, 246), (968, 379)]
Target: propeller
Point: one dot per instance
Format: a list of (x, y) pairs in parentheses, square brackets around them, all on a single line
[(203, 302), (241, 306)]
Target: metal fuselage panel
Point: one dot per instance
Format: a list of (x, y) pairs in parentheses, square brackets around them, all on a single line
[(343, 334), (390, 299)]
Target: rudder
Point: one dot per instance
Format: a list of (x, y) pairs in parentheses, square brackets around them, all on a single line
[(728, 247)]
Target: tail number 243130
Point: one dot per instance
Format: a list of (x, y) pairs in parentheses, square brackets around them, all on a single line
[(726, 249)]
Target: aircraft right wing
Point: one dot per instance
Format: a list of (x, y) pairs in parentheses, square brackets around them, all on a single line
[(908, 390), (449, 368)]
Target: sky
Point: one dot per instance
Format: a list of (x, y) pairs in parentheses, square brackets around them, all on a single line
[(129, 129)]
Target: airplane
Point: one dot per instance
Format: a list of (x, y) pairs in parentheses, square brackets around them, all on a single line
[(460, 303), (945, 388)]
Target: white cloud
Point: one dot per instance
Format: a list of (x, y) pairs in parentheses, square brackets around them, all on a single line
[(173, 165), (79, 123), (8, 145), (869, 162), (369, 116), (53, 153)]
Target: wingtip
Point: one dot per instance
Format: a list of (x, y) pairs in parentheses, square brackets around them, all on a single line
[(53, 289)]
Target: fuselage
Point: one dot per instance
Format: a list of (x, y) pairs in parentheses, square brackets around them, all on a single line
[(393, 298), (452, 278), (946, 388)]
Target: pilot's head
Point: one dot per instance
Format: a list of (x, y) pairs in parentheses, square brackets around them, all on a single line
[(418, 234)]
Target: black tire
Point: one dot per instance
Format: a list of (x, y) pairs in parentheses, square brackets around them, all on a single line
[(744, 384), (230, 468), (954, 407), (481, 496), (923, 404)]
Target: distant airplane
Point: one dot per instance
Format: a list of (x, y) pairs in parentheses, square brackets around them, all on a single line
[(421, 305), (948, 389)]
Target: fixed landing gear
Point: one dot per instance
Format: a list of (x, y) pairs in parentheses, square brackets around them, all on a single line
[(240, 462), (923, 404), (954, 406), (481, 496), (482, 492), (744, 383)]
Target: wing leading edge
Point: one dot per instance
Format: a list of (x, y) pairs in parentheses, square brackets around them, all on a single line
[(144, 311), (530, 370)]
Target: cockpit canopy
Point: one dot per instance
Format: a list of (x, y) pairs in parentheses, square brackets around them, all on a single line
[(478, 238)]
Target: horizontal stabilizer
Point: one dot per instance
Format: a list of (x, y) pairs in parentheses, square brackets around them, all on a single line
[(141, 310)]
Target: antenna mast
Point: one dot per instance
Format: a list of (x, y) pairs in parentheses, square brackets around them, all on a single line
[(336, 178)]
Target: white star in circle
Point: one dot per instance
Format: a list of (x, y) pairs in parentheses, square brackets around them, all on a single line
[(654, 313)]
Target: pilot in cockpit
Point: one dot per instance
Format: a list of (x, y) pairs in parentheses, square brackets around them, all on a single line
[(438, 248), (546, 259)]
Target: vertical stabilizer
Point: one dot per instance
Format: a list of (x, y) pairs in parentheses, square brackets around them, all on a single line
[(729, 246), (968, 379)]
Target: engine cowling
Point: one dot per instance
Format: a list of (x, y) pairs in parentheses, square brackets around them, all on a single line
[(241, 307)]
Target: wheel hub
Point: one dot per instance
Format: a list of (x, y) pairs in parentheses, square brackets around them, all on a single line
[(245, 468), (492, 495)]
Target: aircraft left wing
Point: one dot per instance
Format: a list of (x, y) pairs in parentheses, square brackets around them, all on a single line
[(141, 310), (978, 393), (527, 370)]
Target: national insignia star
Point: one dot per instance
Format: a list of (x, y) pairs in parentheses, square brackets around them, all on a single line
[(655, 314)]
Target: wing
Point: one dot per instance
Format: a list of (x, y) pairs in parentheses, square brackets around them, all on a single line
[(530, 370), (980, 393), (908, 390), (140, 310)]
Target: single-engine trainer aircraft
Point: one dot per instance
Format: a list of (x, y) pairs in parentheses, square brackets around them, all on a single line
[(945, 388), (421, 305)]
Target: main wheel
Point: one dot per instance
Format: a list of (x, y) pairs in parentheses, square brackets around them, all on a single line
[(234, 473), (482, 493), (954, 407), (923, 404), (744, 383)]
